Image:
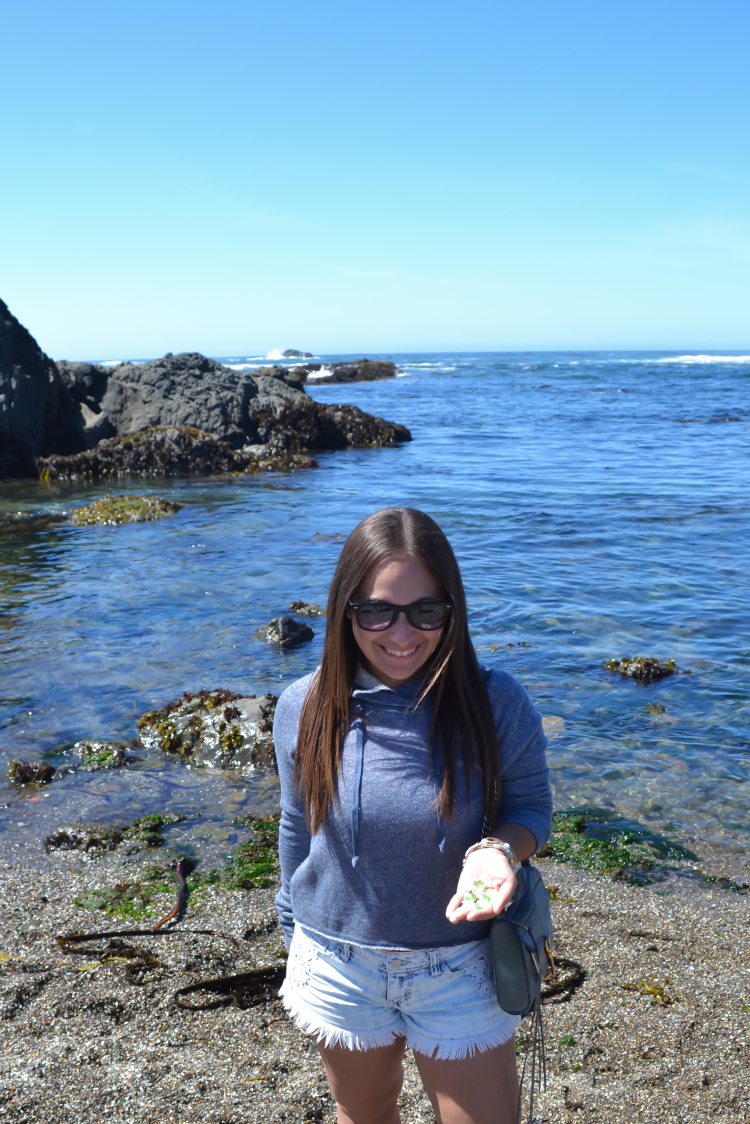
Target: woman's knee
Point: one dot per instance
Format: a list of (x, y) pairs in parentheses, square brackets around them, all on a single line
[(365, 1084)]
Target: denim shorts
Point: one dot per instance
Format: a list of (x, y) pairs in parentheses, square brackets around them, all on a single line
[(442, 1000)]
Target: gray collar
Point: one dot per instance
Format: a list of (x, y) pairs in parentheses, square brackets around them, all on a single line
[(368, 682)]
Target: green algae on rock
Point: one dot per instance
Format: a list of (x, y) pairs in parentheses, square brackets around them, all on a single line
[(597, 840), (131, 900), (30, 772), (112, 510), (216, 728), (148, 829), (644, 669), (96, 756), (255, 864)]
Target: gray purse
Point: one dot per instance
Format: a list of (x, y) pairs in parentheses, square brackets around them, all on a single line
[(521, 949)]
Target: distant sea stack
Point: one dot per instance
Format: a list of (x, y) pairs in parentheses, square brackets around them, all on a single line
[(292, 353), (358, 370), (66, 409)]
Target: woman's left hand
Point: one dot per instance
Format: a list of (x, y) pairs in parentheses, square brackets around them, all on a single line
[(491, 867)]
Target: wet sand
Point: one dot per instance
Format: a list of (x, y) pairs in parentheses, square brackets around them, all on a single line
[(108, 1044)]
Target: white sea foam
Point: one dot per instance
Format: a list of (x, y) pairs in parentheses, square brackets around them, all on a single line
[(321, 374), (275, 353), (706, 359), (111, 362)]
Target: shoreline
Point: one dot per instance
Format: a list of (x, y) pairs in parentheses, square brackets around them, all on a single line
[(93, 1045)]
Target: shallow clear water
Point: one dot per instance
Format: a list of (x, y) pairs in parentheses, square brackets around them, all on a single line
[(598, 505)]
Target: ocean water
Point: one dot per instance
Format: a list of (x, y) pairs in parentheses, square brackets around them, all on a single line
[(598, 504)]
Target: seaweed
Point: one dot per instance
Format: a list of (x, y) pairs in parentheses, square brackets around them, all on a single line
[(644, 669), (96, 756), (653, 987), (113, 510), (597, 840), (305, 609), (30, 772), (148, 829), (86, 837), (255, 864), (217, 728), (131, 900)]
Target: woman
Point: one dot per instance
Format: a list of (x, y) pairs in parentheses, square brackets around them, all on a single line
[(393, 755)]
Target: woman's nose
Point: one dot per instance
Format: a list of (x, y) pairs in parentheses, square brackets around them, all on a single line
[(401, 632)]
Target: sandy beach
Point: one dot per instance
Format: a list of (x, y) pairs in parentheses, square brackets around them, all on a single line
[(657, 1031)]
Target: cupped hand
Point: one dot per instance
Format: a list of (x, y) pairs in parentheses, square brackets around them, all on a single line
[(491, 867)]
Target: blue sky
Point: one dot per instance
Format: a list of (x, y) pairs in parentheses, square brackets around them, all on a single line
[(233, 177)]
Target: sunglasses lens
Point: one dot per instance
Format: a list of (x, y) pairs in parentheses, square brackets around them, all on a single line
[(427, 615), (374, 618)]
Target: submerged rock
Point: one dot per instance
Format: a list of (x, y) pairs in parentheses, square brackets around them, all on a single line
[(359, 370), (78, 836), (215, 728), (167, 451), (147, 830), (286, 632), (30, 772), (303, 609), (97, 756), (112, 510), (645, 669)]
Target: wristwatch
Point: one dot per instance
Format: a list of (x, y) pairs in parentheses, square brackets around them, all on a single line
[(495, 845)]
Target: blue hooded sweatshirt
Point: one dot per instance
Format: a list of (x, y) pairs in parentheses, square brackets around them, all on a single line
[(386, 865)]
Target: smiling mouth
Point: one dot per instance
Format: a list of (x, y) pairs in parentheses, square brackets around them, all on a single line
[(400, 655)]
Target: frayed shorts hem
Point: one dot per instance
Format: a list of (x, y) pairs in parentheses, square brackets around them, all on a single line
[(450, 1050)]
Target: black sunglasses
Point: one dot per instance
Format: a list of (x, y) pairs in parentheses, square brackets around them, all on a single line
[(376, 616)]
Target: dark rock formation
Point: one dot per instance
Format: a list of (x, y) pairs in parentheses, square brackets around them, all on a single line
[(191, 390), (292, 353), (167, 451), (85, 837), (645, 669), (359, 370), (86, 384), (286, 632), (30, 772), (35, 408), (313, 425), (215, 728), (196, 413)]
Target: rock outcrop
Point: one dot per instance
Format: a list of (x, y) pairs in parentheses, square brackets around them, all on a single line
[(35, 408), (316, 426), (167, 451), (359, 370), (292, 353), (286, 632), (214, 728), (197, 415)]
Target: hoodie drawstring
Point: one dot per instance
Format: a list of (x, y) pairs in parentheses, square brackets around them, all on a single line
[(359, 726)]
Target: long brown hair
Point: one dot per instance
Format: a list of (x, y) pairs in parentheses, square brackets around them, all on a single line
[(462, 721)]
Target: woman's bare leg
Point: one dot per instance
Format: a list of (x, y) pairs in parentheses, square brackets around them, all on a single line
[(365, 1083), (482, 1089)]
